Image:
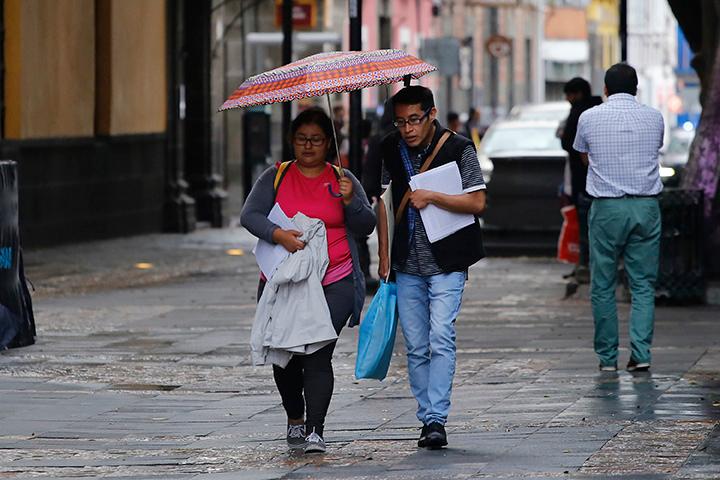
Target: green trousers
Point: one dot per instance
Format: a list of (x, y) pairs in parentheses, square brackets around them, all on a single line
[(627, 228)]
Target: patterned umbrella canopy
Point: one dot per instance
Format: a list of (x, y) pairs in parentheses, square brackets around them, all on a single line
[(327, 73)]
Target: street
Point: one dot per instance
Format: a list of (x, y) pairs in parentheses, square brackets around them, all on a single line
[(146, 374)]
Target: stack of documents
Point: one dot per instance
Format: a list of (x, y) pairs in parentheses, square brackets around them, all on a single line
[(269, 256), (440, 223)]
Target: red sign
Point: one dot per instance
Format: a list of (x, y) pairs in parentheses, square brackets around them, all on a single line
[(499, 46), (304, 14)]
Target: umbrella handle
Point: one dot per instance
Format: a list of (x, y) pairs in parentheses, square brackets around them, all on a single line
[(336, 195)]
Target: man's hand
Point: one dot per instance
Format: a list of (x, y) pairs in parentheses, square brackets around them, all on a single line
[(421, 198), (473, 202), (383, 267), (346, 190), (289, 239)]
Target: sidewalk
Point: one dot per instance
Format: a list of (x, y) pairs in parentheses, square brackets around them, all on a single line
[(146, 374)]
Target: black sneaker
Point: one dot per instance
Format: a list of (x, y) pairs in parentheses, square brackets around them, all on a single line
[(295, 436), (436, 436), (635, 366), (422, 441)]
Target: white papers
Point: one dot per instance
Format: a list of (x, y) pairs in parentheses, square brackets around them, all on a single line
[(440, 223), (269, 256)]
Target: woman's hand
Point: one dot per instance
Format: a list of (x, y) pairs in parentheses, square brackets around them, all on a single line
[(346, 190), (289, 239)]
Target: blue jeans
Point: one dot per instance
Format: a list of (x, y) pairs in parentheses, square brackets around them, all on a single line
[(428, 307)]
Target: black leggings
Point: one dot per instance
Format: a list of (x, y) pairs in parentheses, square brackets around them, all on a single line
[(313, 374)]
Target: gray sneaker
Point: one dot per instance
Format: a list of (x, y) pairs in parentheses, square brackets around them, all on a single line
[(295, 436), (314, 443)]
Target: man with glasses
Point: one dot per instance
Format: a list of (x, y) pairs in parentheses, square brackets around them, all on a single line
[(430, 276)]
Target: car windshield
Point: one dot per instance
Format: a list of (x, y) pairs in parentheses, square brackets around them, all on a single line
[(530, 138)]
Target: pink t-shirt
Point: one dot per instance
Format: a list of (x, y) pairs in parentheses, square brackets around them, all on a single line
[(298, 193)]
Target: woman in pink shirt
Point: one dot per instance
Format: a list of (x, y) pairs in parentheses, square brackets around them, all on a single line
[(306, 383)]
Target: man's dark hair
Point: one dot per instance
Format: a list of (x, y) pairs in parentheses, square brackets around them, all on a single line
[(452, 117), (578, 85), (621, 78), (414, 95)]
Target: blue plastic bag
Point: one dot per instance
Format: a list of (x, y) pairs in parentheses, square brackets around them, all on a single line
[(377, 334)]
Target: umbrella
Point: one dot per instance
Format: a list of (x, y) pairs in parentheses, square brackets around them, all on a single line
[(326, 73)]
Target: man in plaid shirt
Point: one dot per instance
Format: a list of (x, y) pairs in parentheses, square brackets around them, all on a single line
[(620, 141)]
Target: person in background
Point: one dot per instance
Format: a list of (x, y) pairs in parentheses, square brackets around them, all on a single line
[(306, 383), (473, 129), (453, 122), (342, 138), (578, 93), (372, 169), (371, 284), (620, 141)]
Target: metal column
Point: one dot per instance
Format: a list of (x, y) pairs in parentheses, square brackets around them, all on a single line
[(355, 153)]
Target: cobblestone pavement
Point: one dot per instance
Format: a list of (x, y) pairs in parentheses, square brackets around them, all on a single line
[(154, 381)]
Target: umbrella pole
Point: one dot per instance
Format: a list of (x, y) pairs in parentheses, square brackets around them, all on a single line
[(337, 149)]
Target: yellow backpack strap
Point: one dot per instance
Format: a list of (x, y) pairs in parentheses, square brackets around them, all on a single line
[(281, 172)]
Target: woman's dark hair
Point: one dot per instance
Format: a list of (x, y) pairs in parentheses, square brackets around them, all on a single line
[(578, 85), (414, 95), (314, 116), (621, 78)]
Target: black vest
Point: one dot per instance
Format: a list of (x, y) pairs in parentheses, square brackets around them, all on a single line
[(453, 253)]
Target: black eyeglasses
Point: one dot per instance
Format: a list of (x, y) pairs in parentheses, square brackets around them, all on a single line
[(302, 140), (413, 120)]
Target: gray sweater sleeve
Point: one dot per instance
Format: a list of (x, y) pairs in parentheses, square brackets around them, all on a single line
[(359, 216), (258, 205)]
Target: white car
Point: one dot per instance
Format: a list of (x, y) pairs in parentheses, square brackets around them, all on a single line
[(554, 111), (674, 156), (506, 138)]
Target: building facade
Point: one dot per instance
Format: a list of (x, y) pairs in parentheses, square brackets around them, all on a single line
[(566, 49), (109, 106), (652, 50), (604, 37), (106, 112)]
